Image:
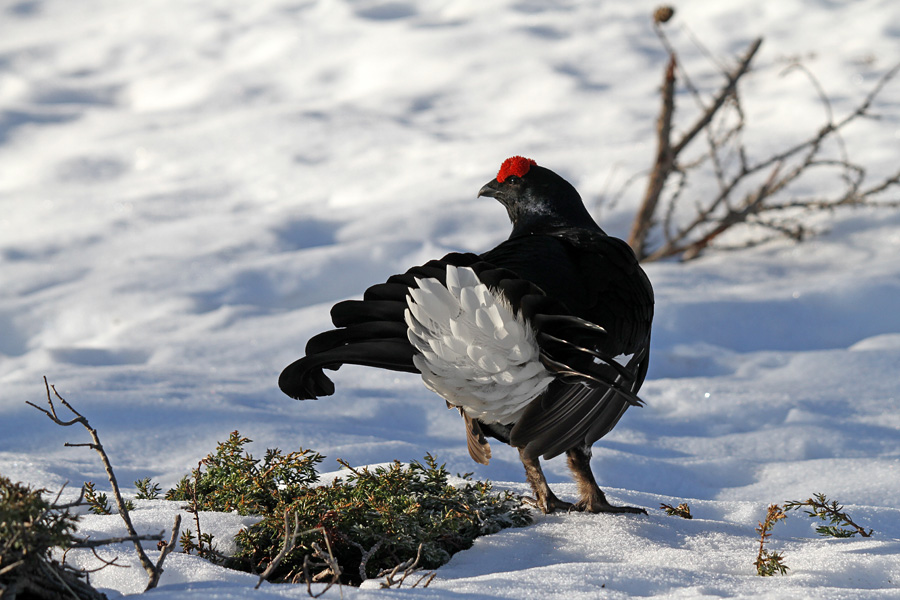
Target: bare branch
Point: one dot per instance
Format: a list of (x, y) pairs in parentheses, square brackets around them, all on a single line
[(662, 168), (668, 152), (332, 569), (719, 214), (163, 553), (106, 563), (408, 567), (73, 504), (291, 533), (863, 108), (877, 189), (153, 571), (290, 539), (88, 543), (751, 205), (11, 566), (52, 412), (742, 68), (366, 555), (195, 508)]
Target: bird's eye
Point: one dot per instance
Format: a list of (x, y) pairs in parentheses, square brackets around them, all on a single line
[(511, 179)]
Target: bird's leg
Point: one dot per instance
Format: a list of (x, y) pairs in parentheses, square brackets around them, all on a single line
[(592, 497), (544, 496)]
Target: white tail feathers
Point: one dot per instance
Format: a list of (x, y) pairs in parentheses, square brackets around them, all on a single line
[(473, 350)]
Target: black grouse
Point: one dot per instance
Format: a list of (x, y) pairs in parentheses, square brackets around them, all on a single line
[(542, 342)]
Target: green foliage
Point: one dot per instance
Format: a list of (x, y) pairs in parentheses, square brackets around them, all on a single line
[(98, 501), (147, 490), (29, 526), (385, 514), (374, 518), (232, 480), (201, 545), (769, 563), (188, 541), (831, 512)]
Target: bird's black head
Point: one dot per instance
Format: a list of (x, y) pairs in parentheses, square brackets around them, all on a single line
[(537, 199)]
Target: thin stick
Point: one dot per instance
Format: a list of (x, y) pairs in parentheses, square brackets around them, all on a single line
[(742, 68), (290, 539), (153, 571), (164, 552), (720, 214), (106, 563), (662, 167), (12, 566), (667, 152), (86, 543)]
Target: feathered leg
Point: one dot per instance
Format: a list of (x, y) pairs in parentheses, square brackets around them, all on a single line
[(544, 496), (592, 497)]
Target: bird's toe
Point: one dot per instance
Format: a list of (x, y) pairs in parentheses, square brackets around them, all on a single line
[(595, 506)]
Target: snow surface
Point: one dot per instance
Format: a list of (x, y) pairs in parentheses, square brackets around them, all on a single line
[(187, 186)]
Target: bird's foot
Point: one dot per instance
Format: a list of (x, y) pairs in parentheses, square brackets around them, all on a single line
[(595, 505), (550, 505)]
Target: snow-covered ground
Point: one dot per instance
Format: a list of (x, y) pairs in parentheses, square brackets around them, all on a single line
[(187, 186)]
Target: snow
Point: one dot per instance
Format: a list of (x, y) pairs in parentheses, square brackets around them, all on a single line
[(187, 187)]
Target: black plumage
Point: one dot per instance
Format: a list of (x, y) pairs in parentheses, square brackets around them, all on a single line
[(583, 293)]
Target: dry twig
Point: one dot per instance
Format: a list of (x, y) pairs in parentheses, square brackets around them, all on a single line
[(153, 570), (290, 539), (750, 192), (291, 533), (87, 543), (366, 555), (405, 569), (332, 568)]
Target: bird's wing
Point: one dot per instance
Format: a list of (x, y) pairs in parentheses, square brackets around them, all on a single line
[(619, 294), (601, 307), (595, 276), (369, 332), (609, 309), (575, 412)]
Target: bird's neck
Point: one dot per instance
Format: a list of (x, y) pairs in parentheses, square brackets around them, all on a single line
[(539, 224)]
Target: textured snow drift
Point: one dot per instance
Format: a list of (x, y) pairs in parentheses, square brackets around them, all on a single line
[(186, 188)]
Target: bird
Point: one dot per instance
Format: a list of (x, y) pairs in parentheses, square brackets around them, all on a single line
[(541, 342)]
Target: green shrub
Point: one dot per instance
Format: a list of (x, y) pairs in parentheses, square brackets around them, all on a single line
[(29, 527), (374, 518), (840, 525)]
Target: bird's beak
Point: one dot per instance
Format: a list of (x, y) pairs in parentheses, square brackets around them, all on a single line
[(491, 189)]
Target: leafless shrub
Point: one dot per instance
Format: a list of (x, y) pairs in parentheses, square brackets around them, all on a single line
[(154, 570), (292, 533), (749, 191)]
